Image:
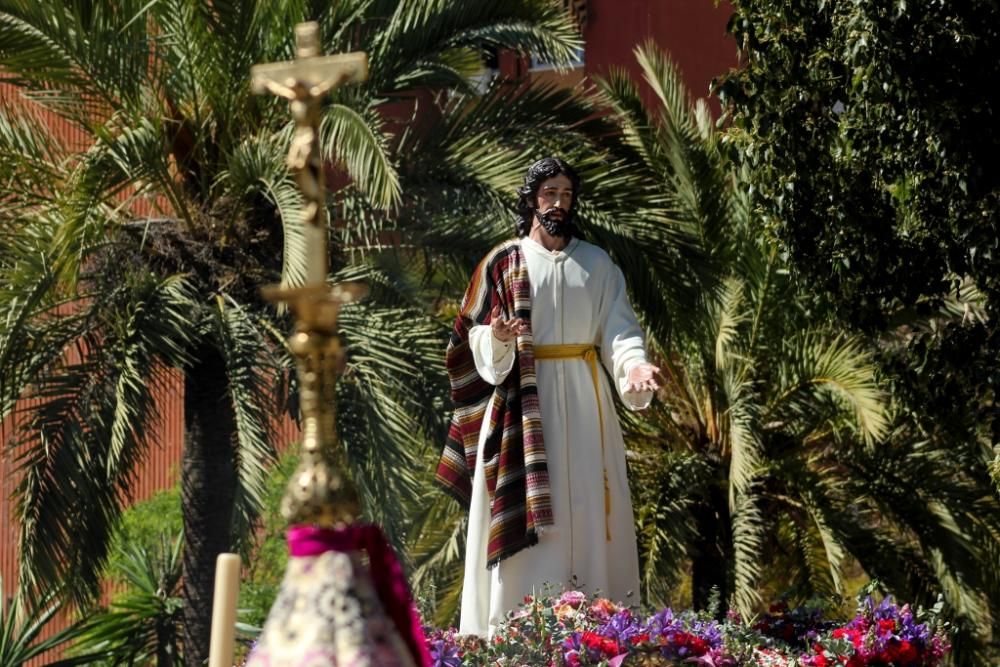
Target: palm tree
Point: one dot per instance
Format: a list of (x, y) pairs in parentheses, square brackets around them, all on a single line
[(742, 368), (774, 444), (138, 250)]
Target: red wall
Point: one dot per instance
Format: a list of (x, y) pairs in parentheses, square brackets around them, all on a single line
[(693, 32)]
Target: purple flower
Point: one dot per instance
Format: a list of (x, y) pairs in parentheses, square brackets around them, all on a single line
[(444, 654), (622, 626), (572, 647)]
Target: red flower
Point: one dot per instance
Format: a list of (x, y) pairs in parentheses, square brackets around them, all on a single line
[(640, 638), (901, 652), (856, 636), (696, 645), (820, 661), (597, 642), (886, 626)]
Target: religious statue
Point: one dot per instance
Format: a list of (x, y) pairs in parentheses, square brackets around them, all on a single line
[(535, 450)]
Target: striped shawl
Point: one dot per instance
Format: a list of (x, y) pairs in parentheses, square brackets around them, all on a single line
[(514, 461)]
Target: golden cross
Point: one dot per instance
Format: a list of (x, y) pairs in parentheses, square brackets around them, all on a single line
[(303, 82), (317, 493)]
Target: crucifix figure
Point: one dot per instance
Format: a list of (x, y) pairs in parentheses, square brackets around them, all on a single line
[(303, 82)]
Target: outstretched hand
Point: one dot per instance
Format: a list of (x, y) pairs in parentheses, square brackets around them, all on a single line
[(642, 377), (506, 330)]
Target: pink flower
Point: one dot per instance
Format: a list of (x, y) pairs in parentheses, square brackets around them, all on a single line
[(572, 598)]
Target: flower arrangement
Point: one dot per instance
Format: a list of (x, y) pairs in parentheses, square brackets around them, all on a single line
[(882, 633), (572, 629)]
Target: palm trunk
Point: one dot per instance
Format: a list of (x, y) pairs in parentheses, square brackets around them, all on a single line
[(165, 643), (208, 485), (711, 552)]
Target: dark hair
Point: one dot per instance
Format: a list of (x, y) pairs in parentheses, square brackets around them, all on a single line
[(538, 173)]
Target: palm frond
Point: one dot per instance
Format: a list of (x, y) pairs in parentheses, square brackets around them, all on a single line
[(249, 369), (640, 132), (86, 426), (840, 365), (437, 550), (834, 553), (665, 488), (37, 326), (699, 183), (256, 173), (731, 314), (356, 139), (31, 157), (83, 59), (995, 468), (748, 528), (418, 32), (744, 442), (22, 627), (384, 420)]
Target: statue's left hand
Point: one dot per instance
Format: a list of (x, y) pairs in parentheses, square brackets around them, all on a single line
[(642, 377)]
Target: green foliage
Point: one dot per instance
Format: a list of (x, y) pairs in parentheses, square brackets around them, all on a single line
[(777, 453), (269, 554), (142, 625), (861, 125), (22, 624), (142, 526), (864, 126), (750, 378)]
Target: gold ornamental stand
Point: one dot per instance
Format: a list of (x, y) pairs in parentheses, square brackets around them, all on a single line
[(329, 610)]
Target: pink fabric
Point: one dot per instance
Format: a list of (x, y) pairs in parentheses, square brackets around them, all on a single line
[(387, 575)]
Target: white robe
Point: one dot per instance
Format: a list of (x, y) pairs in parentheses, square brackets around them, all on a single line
[(577, 296)]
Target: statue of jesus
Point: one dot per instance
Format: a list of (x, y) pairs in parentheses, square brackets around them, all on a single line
[(535, 450)]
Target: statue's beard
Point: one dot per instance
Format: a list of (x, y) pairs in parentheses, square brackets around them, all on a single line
[(557, 225)]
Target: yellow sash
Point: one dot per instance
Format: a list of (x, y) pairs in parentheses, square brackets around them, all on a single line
[(589, 354)]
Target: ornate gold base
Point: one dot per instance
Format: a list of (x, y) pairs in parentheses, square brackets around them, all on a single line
[(318, 492)]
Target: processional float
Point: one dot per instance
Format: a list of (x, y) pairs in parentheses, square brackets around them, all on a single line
[(343, 600)]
